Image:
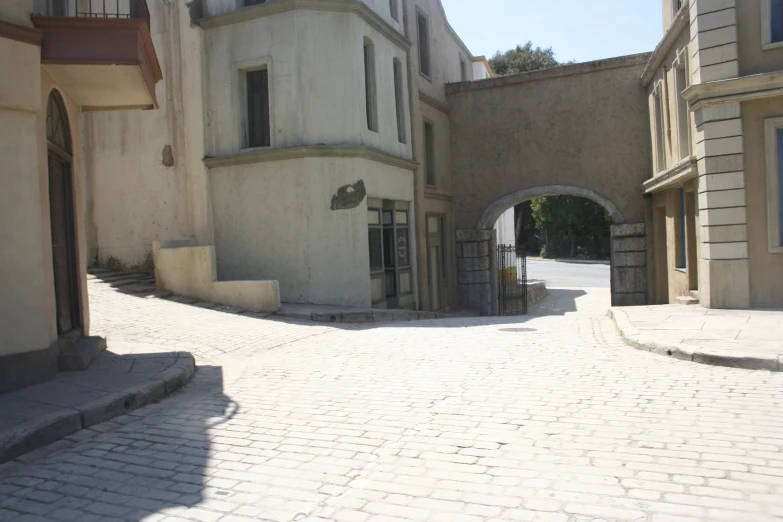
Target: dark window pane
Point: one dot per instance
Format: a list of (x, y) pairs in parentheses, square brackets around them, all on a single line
[(258, 108), (388, 247), (777, 21), (254, 2), (429, 151), (682, 258), (403, 248), (424, 45), (376, 250), (398, 100), (391, 284)]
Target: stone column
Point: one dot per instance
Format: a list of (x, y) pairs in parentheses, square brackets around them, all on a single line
[(629, 265), (724, 278), (476, 271)]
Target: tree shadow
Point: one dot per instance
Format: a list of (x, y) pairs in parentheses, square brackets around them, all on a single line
[(150, 461)]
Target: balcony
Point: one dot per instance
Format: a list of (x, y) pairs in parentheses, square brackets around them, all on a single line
[(100, 52)]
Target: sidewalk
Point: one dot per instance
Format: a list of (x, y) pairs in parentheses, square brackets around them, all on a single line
[(123, 378), (751, 339)]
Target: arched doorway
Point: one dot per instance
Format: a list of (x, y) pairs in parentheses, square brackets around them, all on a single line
[(61, 212), (477, 268)]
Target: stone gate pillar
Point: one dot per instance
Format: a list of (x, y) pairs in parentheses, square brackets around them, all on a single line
[(477, 271), (629, 265)]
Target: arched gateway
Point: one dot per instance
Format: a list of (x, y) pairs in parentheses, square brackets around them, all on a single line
[(578, 130)]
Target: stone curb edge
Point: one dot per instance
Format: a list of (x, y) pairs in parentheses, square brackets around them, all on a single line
[(40, 432), (633, 338)]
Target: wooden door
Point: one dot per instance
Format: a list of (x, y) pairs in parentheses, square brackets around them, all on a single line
[(61, 212)]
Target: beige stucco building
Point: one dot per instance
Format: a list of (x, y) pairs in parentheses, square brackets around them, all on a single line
[(283, 154), (715, 86), (65, 63)]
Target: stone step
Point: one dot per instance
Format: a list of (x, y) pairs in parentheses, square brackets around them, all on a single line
[(695, 294), (80, 355), (687, 300)]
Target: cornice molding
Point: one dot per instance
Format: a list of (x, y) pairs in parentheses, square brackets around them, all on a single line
[(319, 151), (432, 102), (680, 173), (20, 33), (560, 71), (734, 90), (282, 6), (436, 195), (680, 22)]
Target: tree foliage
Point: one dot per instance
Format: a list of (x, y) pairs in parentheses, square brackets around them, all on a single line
[(523, 58), (570, 221)]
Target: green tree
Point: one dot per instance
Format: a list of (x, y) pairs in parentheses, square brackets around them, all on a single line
[(579, 221), (523, 58)]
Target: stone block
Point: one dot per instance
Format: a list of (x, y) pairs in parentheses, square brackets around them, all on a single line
[(80, 355), (475, 249), (719, 147), (724, 181), (623, 280), (720, 54), (710, 16), (737, 250), (628, 230), (474, 278), (474, 235), (724, 234), (723, 36), (640, 275), (629, 259), (725, 111), (721, 71), (622, 299), (722, 199), (629, 244), (723, 216), (469, 264), (719, 129), (474, 297), (721, 164)]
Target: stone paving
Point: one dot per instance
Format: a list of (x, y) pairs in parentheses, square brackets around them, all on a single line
[(739, 338), (549, 418)]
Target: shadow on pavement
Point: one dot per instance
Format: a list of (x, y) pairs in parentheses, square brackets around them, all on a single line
[(149, 461)]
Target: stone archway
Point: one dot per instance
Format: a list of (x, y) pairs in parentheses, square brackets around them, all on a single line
[(477, 287)]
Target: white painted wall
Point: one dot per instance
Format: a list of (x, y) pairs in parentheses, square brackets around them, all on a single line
[(134, 198), (480, 71), (316, 81), (273, 221), (505, 228)]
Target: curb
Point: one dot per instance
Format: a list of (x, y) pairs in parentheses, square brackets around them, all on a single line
[(633, 338), (46, 429), (368, 317)]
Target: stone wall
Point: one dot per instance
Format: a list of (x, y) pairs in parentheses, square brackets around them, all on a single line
[(629, 265)]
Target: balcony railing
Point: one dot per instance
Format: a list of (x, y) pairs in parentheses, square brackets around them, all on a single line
[(112, 9)]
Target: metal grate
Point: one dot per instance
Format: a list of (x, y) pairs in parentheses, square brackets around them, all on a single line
[(512, 280)]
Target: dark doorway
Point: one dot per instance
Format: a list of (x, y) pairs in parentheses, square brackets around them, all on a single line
[(61, 211)]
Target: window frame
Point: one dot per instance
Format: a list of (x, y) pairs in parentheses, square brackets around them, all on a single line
[(243, 125), (370, 85), (766, 27), (430, 158), (773, 126), (680, 69), (681, 235), (659, 131), (424, 47)]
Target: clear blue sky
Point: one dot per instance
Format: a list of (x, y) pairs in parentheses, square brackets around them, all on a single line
[(580, 30)]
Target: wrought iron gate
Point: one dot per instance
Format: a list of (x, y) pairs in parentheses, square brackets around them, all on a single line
[(512, 280)]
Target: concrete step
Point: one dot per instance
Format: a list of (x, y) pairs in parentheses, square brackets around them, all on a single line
[(695, 294), (687, 300), (80, 355)]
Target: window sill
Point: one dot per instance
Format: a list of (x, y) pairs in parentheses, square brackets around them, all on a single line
[(771, 46), (255, 149), (776, 250), (681, 270), (425, 76)]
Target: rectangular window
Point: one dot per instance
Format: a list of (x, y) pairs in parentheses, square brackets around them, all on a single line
[(394, 10), (258, 131), (683, 115), (369, 86), (658, 131), (424, 44), (681, 249), (780, 186), (254, 2), (777, 21), (399, 101), (429, 153)]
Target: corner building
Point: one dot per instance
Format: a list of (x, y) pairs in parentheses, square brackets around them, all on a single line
[(304, 142)]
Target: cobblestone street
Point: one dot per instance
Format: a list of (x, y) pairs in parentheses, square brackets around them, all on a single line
[(548, 418)]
